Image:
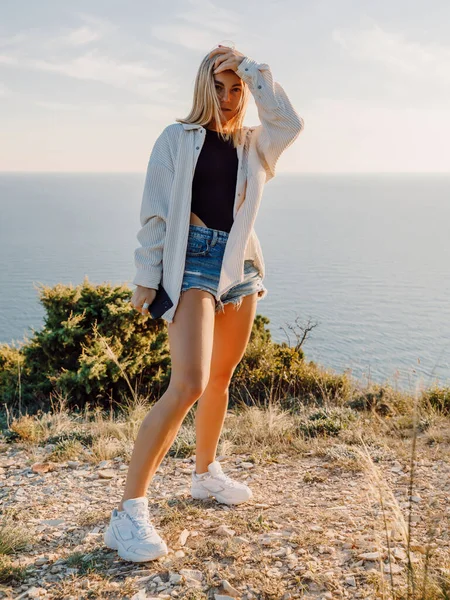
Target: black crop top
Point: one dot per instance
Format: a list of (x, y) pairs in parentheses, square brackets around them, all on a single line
[(214, 182)]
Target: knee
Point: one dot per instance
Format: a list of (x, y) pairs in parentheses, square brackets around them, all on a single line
[(220, 381), (190, 386)]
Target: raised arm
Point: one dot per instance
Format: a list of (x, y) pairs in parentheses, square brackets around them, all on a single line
[(280, 122), (153, 215)]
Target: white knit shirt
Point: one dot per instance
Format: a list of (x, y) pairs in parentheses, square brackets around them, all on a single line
[(166, 201)]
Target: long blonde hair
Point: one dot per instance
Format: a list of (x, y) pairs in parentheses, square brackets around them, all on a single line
[(206, 106)]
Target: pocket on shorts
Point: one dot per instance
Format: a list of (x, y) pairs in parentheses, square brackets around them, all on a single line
[(197, 247)]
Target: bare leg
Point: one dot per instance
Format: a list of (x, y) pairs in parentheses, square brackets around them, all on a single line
[(155, 437), (232, 330), (190, 339), (209, 419)]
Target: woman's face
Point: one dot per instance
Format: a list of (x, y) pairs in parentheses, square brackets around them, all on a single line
[(229, 90)]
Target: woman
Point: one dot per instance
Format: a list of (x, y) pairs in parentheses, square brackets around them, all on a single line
[(202, 192)]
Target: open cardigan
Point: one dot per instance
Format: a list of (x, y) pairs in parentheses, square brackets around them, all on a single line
[(166, 201)]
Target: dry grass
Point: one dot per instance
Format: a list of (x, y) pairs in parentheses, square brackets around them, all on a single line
[(307, 447)]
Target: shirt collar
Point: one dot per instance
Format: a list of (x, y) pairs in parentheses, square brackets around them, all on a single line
[(191, 125), (198, 126)]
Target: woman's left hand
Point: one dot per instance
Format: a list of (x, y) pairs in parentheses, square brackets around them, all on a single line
[(228, 59)]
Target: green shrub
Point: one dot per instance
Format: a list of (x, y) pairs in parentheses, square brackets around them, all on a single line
[(9, 573), (381, 399), (327, 422), (95, 349), (280, 372), (12, 366), (13, 536), (438, 398), (92, 342)]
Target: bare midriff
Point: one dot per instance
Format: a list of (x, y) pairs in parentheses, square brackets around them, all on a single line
[(196, 220)]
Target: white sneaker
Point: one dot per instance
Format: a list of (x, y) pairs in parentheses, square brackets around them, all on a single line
[(132, 534), (215, 483)]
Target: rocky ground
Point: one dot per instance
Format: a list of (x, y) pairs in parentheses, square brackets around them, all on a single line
[(314, 528)]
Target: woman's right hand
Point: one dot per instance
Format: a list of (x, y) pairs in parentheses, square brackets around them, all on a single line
[(142, 294)]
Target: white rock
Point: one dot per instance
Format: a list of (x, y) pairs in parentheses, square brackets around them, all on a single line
[(30, 593), (229, 589), (52, 522), (399, 553), (140, 595), (183, 536), (224, 530), (398, 470), (106, 474), (393, 568), (37, 592), (350, 581), (192, 574), (369, 555)]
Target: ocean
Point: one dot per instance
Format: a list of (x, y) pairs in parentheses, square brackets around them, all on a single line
[(362, 260)]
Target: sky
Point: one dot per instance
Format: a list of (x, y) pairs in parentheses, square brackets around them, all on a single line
[(88, 86)]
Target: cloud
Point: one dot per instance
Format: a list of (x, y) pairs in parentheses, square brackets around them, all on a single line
[(104, 30), (184, 35), (93, 29), (37, 41), (211, 16), (148, 111), (68, 52), (82, 36), (203, 25), (13, 40), (398, 54), (9, 61), (93, 66)]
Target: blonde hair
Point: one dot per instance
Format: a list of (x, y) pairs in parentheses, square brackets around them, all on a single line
[(206, 106)]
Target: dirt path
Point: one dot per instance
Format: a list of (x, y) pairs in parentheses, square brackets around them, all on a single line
[(313, 529)]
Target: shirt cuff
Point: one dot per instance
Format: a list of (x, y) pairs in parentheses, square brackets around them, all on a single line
[(146, 279), (247, 70)]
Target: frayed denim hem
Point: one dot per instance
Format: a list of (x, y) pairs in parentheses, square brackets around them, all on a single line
[(238, 301)]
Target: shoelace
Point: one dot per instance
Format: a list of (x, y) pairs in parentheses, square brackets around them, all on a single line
[(226, 479), (141, 522)]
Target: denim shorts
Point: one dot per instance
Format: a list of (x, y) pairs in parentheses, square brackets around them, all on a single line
[(204, 255)]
